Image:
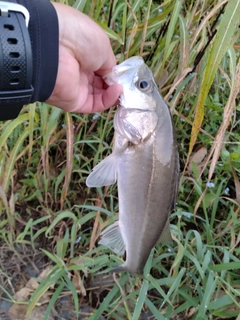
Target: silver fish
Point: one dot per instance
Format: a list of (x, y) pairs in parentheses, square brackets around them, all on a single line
[(145, 164)]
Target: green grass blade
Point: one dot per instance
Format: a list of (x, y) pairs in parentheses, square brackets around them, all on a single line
[(154, 310), (79, 4), (111, 34), (155, 284), (53, 299), (174, 287), (74, 293), (13, 155), (170, 30), (209, 289), (140, 300), (23, 234), (226, 266), (50, 280), (61, 216), (9, 127), (107, 300), (96, 208)]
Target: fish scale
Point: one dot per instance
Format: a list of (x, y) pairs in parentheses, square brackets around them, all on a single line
[(145, 164)]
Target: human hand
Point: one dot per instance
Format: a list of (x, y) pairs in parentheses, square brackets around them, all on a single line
[(85, 55)]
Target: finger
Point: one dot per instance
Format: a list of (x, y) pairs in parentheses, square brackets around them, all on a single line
[(98, 82), (111, 95), (103, 100)]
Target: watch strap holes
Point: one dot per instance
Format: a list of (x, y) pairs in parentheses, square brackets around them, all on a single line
[(14, 55), (14, 82), (12, 41), (8, 26), (15, 69)]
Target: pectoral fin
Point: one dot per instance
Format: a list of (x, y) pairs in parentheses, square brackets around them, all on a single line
[(112, 238), (104, 174)]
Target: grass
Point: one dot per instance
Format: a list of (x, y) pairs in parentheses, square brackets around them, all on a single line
[(193, 49)]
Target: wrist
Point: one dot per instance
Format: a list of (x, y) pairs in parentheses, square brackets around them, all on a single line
[(44, 35), (15, 60), (43, 43)]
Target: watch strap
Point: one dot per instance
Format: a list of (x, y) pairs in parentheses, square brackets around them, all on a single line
[(16, 65)]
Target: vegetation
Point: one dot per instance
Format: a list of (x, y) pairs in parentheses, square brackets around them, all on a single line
[(192, 46)]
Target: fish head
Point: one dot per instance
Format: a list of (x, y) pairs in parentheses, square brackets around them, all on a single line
[(138, 84)]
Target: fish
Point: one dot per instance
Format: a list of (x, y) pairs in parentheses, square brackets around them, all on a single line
[(144, 163)]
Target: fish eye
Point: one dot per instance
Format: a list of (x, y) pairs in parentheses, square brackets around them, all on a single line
[(144, 85)]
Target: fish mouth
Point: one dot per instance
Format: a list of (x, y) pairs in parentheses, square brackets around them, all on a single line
[(129, 64), (124, 72)]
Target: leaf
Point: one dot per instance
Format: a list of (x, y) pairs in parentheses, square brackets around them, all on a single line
[(157, 286), (154, 310), (140, 300), (226, 266), (237, 184), (53, 300), (227, 115), (221, 43), (12, 159), (79, 4), (43, 287), (211, 284), (9, 127), (145, 26), (171, 30), (61, 216), (69, 153), (197, 158), (112, 35), (107, 300)]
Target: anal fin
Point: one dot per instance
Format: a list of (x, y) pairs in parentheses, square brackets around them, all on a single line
[(112, 238), (166, 237)]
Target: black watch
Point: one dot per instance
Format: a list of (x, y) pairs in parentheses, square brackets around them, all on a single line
[(16, 62)]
